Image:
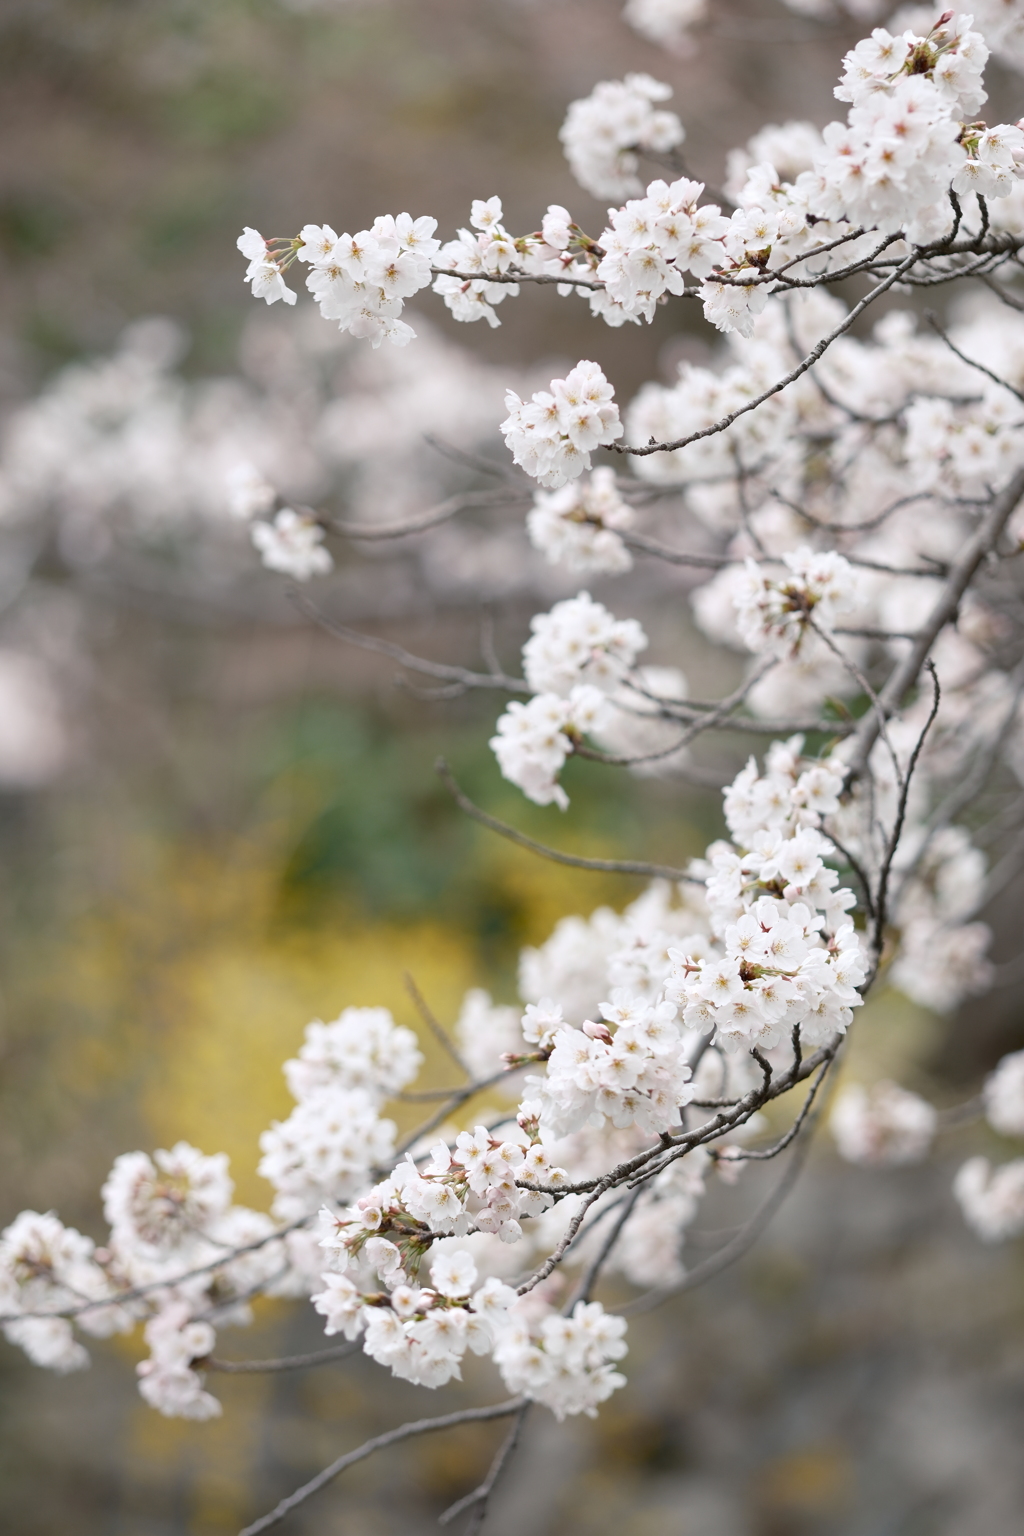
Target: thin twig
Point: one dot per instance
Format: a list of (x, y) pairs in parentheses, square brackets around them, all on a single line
[(742, 1155), (865, 687), (453, 674), (480, 1496), (432, 518), (436, 1028), (477, 461), (601, 866), (594, 1268), (901, 812), (734, 1250), (933, 320), (961, 573), (286, 1363), (458, 1098), (378, 1443), (802, 367)]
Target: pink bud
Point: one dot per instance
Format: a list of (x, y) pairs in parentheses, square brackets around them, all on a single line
[(598, 1031)]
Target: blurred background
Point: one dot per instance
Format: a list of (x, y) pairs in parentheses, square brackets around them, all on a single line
[(217, 822)]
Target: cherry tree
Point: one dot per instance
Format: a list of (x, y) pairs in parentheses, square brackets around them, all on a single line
[(846, 490)]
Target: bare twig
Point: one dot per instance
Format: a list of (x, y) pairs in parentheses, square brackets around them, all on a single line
[(458, 1097), (601, 866), (661, 551), (452, 674), (477, 461), (743, 1155), (286, 1363), (961, 573), (882, 897), (933, 320), (477, 1500), (600, 1259), (865, 687), (432, 518), (437, 1029), (379, 1443), (518, 276), (795, 373), (734, 1250)]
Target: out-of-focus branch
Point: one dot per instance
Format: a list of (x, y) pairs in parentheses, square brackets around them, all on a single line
[(436, 1028), (961, 574), (286, 1363), (137, 1292), (379, 1443), (442, 513), (734, 1250), (933, 320), (451, 674), (882, 897), (478, 1499), (601, 866)]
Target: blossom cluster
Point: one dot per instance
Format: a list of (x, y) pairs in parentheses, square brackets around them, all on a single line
[(884, 1126), (992, 1198), (44, 1267), (581, 662), (292, 543), (360, 280), (603, 132), (490, 250), (553, 435), (910, 142), (334, 1136), (580, 525), (579, 641), (665, 21), (847, 495), (534, 739), (790, 958), (475, 1188), (628, 1067), (421, 1333), (774, 612)]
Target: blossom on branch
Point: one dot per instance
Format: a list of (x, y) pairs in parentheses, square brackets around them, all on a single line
[(553, 435)]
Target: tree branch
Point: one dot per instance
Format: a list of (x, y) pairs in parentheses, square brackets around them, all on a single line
[(600, 866), (378, 1443), (961, 573)]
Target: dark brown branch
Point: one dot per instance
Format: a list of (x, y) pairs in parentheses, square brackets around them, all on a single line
[(600, 866), (734, 1250), (802, 367)]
